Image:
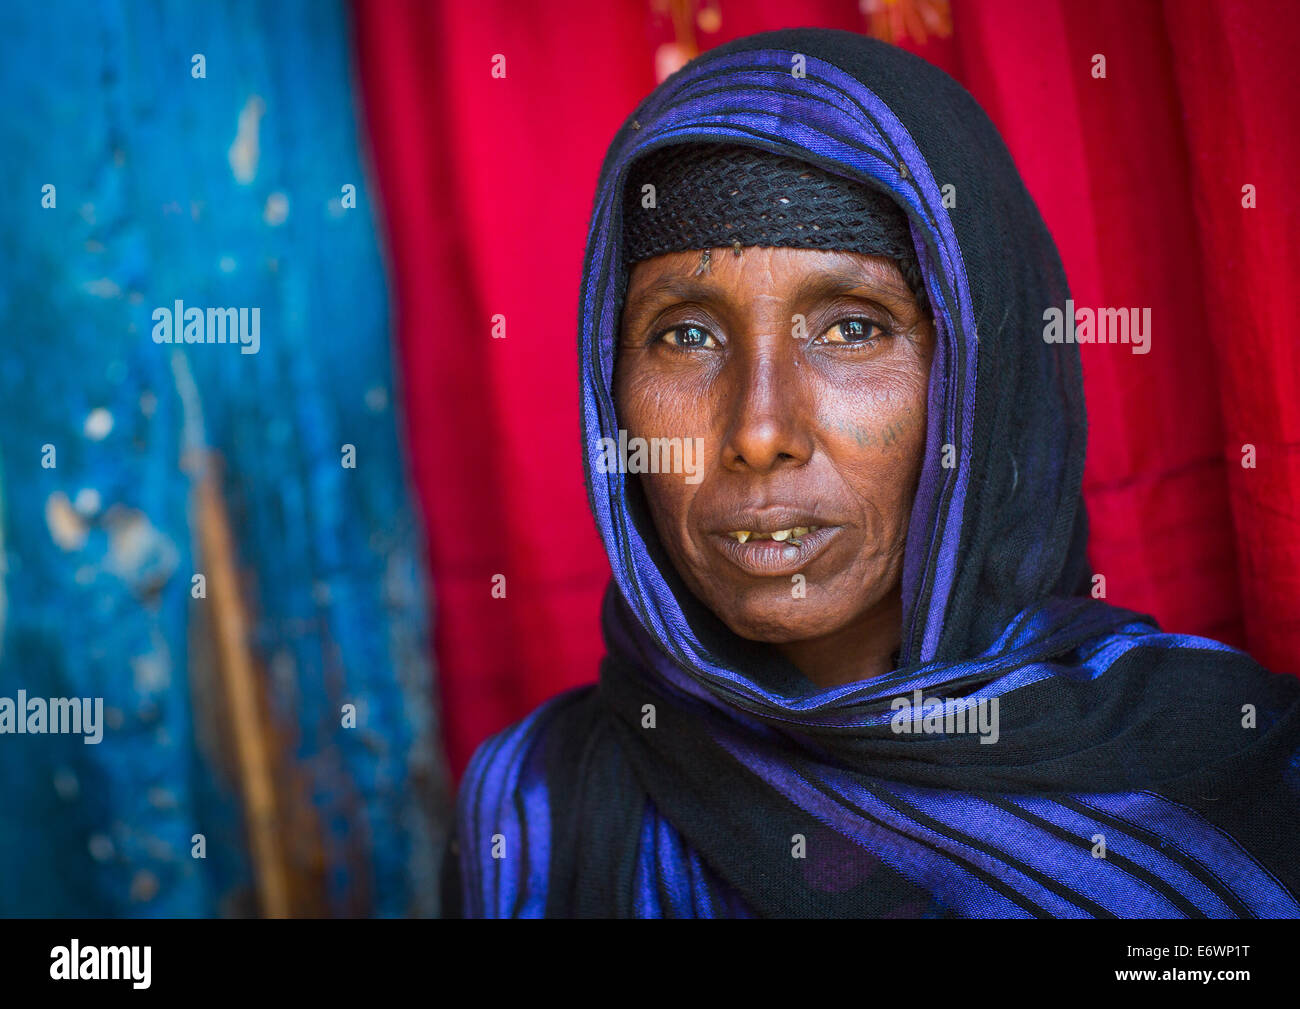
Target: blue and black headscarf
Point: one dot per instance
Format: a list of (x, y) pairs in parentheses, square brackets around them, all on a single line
[(1136, 773)]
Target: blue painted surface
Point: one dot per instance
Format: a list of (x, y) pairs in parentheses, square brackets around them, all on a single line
[(161, 197)]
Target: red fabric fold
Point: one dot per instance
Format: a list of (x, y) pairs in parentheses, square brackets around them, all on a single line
[(486, 185)]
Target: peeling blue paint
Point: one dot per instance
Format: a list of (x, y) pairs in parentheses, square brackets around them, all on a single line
[(160, 197)]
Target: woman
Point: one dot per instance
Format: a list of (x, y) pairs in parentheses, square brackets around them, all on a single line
[(854, 665)]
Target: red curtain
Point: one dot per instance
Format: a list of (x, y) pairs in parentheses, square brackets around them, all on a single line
[(1193, 481)]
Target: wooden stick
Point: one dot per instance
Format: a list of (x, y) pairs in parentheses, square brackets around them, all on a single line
[(237, 673)]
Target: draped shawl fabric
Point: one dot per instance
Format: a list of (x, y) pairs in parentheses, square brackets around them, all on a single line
[(1135, 774)]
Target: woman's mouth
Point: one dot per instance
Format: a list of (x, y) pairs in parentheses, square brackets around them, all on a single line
[(792, 536), (779, 552)]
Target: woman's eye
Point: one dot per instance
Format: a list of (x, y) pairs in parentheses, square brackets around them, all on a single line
[(853, 331), (689, 338)]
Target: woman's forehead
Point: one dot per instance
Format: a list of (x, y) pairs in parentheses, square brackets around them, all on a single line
[(776, 270)]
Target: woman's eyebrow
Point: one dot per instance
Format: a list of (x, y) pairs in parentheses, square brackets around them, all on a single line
[(882, 283), (828, 283), (671, 287), (667, 290)]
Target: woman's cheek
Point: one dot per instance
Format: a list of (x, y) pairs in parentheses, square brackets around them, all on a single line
[(877, 445), (651, 407)]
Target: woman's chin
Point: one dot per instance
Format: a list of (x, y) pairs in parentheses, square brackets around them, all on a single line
[(776, 623)]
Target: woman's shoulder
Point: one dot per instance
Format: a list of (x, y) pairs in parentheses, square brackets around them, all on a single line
[(507, 756), (503, 816)]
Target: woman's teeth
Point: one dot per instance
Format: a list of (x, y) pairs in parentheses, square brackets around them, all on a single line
[(781, 535)]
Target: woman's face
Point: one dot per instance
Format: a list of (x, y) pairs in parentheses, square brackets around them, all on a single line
[(804, 375)]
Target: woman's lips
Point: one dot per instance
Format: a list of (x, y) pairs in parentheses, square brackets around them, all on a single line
[(769, 557)]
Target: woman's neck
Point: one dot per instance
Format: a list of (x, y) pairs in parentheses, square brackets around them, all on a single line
[(861, 650)]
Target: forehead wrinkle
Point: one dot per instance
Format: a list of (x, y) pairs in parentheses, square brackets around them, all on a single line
[(825, 274)]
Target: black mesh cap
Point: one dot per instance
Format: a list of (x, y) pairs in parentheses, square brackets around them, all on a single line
[(710, 196)]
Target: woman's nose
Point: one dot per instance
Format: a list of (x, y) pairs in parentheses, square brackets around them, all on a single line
[(767, 418)]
